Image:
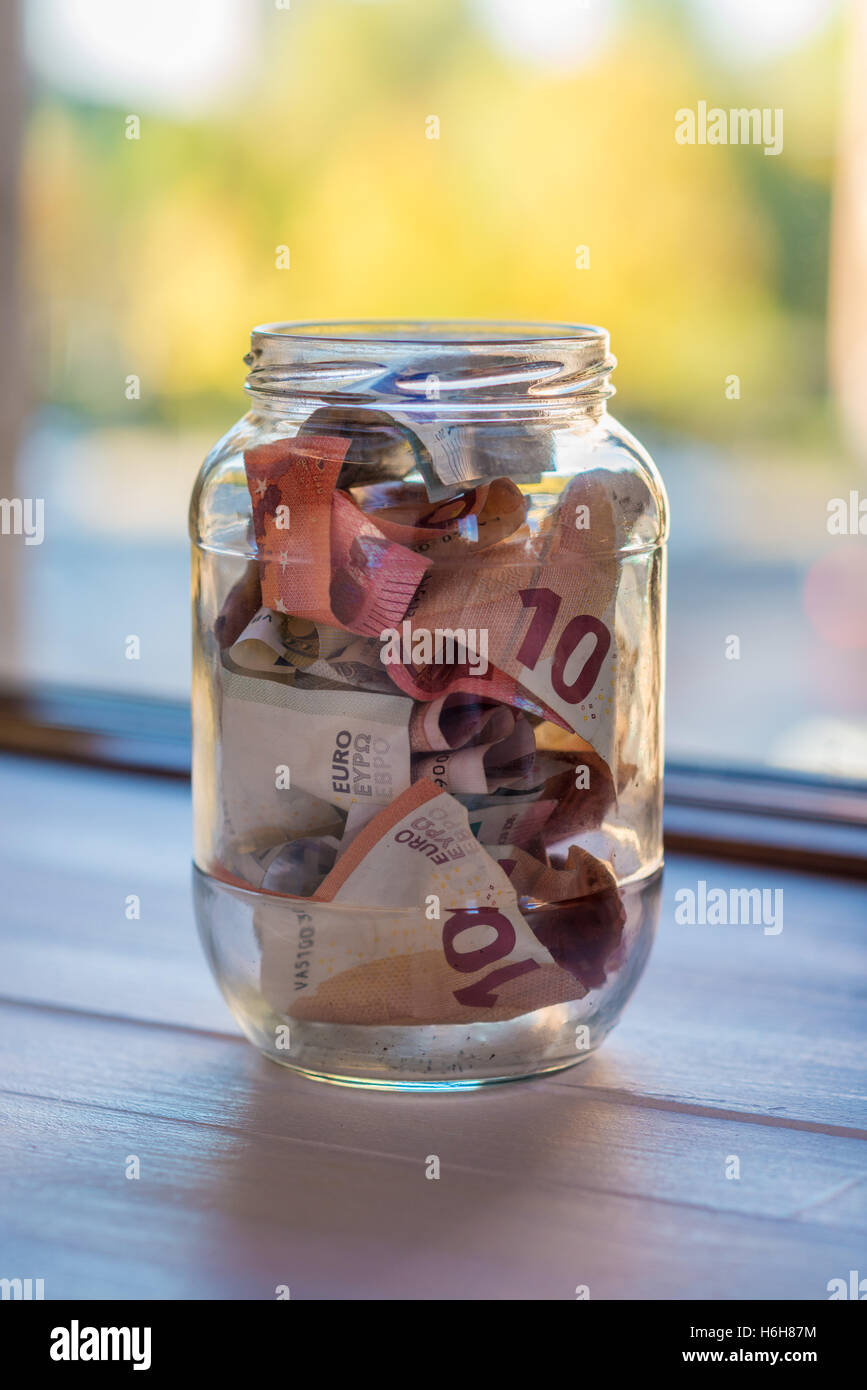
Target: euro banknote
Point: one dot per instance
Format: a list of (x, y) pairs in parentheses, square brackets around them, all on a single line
[(543, 597), (545, 603), (446, 943), (455, 529), (321, 558), (343, 748)]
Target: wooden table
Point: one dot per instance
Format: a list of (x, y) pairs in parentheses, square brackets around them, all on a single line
[(115, 1043)]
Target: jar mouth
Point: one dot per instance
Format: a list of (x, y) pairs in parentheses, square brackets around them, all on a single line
[(431, 332), (428, 364)]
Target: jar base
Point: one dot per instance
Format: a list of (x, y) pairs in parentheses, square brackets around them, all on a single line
[(417, 1057), (470, 1083)]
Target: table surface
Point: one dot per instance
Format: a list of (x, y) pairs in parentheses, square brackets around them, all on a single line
[(615, 1175)]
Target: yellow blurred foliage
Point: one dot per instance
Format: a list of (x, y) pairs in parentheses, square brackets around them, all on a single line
[(157, 256)]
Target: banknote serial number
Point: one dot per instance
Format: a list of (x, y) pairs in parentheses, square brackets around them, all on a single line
[(306, 942)]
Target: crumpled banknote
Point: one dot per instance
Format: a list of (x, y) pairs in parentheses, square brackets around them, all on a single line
[(418, 717)]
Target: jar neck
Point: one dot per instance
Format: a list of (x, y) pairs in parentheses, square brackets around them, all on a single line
[(458, 370)]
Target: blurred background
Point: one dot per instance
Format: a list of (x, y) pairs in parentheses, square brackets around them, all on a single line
[(733, 282)]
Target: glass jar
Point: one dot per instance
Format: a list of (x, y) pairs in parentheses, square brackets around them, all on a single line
[(428, 599)]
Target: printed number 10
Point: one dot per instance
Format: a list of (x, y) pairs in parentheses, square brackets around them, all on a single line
[(482, 994), (547, 605)]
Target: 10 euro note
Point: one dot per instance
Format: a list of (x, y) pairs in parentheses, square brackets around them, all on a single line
[(440, 938), (541, 608), (346, 749)]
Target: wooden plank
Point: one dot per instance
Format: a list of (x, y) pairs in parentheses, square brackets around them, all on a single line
[(73, 844), (539, 1128), (726, 1017), (222, 1214), (737, 1045), (324, 1188)]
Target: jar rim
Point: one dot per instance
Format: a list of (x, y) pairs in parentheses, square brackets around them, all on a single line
[(433, 332), (391, 362)]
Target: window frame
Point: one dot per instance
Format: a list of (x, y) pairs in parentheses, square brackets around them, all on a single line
[(766, 816), (12, 381)]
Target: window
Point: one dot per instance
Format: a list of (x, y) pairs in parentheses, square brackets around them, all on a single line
[(456, 158)]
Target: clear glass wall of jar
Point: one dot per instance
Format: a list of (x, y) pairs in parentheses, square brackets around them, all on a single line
[(429, 607)]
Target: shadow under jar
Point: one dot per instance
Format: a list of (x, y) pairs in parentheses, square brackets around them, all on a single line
[(428, 605)]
